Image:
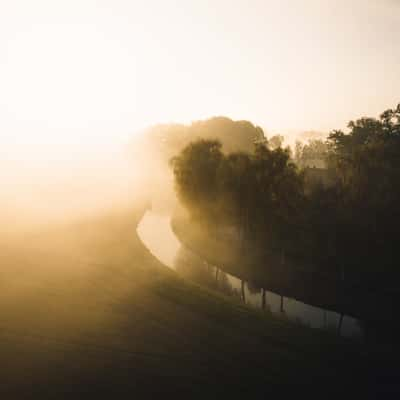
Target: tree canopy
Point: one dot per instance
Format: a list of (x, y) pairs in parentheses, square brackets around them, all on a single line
[(169, 139), (350, 225), (259, 192)]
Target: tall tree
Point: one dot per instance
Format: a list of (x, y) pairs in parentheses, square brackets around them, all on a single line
[(195, 170)]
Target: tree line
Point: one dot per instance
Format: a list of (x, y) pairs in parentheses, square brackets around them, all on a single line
[(345, 224)]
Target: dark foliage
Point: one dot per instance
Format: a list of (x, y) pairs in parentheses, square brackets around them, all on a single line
[(344, 225)]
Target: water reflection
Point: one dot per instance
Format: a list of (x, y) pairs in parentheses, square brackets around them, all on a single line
[(155, 232)]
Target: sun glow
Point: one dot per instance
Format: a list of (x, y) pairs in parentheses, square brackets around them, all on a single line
[(86, 75)]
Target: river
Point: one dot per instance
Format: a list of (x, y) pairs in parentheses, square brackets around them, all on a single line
[(157, 235)]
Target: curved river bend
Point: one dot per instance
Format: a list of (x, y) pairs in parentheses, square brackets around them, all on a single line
[(157, 235)]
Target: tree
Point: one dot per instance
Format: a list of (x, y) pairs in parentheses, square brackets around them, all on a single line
[(275, 142), (351, 225), (195, 170), (259, 193), (311, 154), (234, 177), (367, 161), (167, 140)]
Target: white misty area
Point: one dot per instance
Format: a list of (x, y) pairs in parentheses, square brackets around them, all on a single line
[(42, 184)]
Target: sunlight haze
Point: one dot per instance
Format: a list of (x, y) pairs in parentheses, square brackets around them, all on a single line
[(91, 73), (199, 199)]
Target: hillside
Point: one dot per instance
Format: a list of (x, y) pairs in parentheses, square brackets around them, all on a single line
[(86, 310)]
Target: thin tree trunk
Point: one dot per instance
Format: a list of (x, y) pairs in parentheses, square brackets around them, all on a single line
[(243, 292), (263, 299), (340, 324)]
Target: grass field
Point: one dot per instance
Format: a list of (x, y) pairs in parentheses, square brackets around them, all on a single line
[(87, 312)]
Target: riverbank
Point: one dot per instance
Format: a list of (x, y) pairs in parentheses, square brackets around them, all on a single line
[(87, 311), (283, 276)]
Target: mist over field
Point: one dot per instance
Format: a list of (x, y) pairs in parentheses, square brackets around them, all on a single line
[(39, 190), (199, 199)]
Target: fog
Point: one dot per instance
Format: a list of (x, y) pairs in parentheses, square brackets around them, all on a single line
[(67, 240), (60, 184)]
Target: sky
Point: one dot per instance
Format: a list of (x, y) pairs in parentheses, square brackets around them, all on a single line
[(79, 75)]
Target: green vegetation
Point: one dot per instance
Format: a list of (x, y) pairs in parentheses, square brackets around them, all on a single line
[(311, 154), (166, 140), (364, 201), (102, 318), (258, 193), (339, 224)]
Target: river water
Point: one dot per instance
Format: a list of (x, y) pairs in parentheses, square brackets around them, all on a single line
[(157, 235)]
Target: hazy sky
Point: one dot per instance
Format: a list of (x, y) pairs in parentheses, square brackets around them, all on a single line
[(71, 71)]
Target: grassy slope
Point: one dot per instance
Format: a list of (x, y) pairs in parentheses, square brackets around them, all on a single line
[(85, 308)]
